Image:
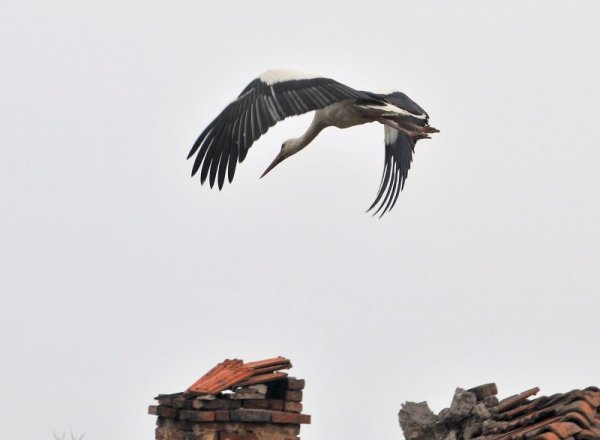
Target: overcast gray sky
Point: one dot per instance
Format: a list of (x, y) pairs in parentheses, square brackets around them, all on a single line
[(122, 278)]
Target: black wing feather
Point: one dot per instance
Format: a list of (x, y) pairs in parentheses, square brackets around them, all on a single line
[(227, 139), (397, 160)]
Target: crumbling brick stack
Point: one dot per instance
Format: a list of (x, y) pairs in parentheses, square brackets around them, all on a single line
[(253, 411)]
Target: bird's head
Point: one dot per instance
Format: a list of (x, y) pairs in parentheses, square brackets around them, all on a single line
[(288, 148)]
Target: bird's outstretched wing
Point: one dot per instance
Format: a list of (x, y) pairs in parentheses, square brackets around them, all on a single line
[(399, 149), (272, 97)]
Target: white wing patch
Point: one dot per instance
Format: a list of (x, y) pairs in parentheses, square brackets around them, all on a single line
[(273, 76), (389, 108), (391, 134)]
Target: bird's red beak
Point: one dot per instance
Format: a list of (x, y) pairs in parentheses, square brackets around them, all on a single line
[(275, 162)]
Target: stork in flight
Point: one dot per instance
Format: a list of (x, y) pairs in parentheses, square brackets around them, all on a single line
[(277, 94)]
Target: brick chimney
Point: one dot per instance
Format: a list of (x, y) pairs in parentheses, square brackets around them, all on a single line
[(234, 401)]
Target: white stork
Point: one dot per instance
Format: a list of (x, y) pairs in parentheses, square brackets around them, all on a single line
[(277, 94)]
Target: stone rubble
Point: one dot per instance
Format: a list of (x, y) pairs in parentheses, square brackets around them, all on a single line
[(463, 420)]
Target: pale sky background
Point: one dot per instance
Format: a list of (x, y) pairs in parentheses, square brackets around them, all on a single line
[(122, 278)]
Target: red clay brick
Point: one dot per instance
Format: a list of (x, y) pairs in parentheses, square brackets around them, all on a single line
[(250, 415), (293, 395), (197, 416), (167, 411), (295, 384), (292, 406), (222, 415), (289, 417), (482, 391), (216, 404), (165, 400), (274, 404), (181, 403)]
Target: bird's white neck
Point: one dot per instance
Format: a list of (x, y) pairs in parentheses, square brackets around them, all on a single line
[(296, 144)]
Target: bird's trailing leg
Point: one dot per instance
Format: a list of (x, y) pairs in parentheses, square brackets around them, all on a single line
[(419, 128), (417, 133)]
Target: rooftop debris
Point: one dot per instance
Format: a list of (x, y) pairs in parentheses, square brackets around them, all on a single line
[(235, 401), (476, 414), (232, 373)]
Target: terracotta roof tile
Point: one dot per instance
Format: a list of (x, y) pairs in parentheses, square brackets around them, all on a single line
[(581, 407), (547, 436), (234, 372), (518, 411), (589, 435), (592, 397), (262, 378), (564, 429), (512, 401), (574, 415)]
